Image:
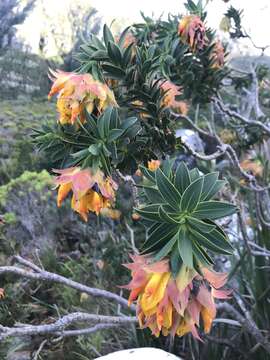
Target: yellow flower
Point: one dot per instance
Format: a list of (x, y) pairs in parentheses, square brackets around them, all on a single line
[(91, 191), (154, 292), (170, 306), (192, 32), (78, 93)]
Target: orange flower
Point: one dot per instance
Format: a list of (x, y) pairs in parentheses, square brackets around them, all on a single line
[(91, 191), (128, 40), (192, 32), (153, 164), (253, 166), (218, 55), (174, 305), (170, 92), (77, 93)]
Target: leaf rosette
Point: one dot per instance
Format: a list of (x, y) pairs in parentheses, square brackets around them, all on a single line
[(180, 213)]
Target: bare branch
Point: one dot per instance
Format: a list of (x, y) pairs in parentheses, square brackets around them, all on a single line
[(240, 117), (57, 327), (247, 323), (47, 276)]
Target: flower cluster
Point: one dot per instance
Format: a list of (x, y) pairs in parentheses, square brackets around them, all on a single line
[(77, 93), (192, 32), (218, 55), (170, 92), (91, 191), (171, 305)]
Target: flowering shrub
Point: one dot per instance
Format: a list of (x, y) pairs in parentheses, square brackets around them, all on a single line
[(173, 280), (118, 119)]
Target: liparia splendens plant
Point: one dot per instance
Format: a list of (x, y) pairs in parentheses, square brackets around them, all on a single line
[(118, 113), (173, 280)]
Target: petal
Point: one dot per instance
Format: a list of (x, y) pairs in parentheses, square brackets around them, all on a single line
[(214, 278), (154, 290), (63, 191)]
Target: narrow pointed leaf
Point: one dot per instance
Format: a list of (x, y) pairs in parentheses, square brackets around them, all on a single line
[(182, 177), (185, 248), (200, 226), (219, 247), (149, 212), (216, 188), (153, 195), (166, 249), (167, 190), (167, 217), (214, 210), (163, 232), (175, 261), (191, 196), (209, 181), (194, 174), (202, 257)]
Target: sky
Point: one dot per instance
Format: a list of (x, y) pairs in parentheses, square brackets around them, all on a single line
[(256, 18)]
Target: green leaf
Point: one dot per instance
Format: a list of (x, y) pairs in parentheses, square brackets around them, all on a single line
[(162, 232), (185, 248), (107, 35), (166, 249), (127, 123), (167, 217), (114, 53), (217, 186), (94, 149), (200, 225), (202, 257), (214, 210), (115, 134), (167, 167), (167, 190), (150, 175), (219, 238), (153, 195), (121, 40), (127, 55), (194, 174), (99, 55), (191, 196), (114, 123), (209, 181), (149, 212), (205, 240), (175, 261), (182, 177), (114, 72)]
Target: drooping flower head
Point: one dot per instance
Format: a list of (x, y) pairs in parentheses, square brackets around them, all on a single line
[(91, 191), (170, 92), (174, 305), (77, 93), (218, 55), (192, 32)]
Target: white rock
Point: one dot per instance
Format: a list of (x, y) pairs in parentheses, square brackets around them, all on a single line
[(140, 354)]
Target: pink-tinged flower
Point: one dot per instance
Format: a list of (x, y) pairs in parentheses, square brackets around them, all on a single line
[(170, 92), (91, 191), (192, 32), (128, 40), (77, 93), (171, 305), (218, 55)]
